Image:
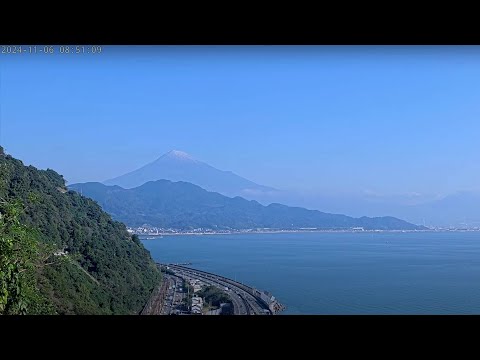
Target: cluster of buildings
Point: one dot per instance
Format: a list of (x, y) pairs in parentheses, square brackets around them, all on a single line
[(358, 228), (197, 301), (148, 230), (153, 231), (197, 305), (454, 228), (196, 285)]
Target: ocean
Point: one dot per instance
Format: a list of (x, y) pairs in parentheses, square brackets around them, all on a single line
[(343, 273)]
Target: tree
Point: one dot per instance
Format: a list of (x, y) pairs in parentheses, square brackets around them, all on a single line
[(21, 256), (99, 268)]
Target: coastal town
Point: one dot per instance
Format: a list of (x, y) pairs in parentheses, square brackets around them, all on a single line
[(154, 232)]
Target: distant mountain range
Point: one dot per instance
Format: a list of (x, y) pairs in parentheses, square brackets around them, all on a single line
[(182, 205), (461, 209), (179, 166), (458, 210)]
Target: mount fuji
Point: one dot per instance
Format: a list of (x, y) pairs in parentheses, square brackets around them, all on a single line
[(177, 165)]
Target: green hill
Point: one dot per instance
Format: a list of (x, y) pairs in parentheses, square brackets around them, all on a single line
[(105, 271), (182, 205)]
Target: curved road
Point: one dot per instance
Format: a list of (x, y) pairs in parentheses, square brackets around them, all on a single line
[(244, 302)]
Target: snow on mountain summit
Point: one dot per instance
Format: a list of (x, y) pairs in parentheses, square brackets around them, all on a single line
[(177, 165), (178, 154)]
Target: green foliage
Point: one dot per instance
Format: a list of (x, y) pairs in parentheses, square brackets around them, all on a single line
[(214, 296), (164, 269), (20, 257), (105, 270), (185, 206)]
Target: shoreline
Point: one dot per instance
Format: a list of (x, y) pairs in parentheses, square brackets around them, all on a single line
[(302, 232)]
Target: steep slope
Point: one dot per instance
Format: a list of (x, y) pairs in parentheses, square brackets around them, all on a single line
[(183, 205), (179, 166), (107, 272)]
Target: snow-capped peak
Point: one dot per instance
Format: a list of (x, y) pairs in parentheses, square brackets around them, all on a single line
[(177, 154)]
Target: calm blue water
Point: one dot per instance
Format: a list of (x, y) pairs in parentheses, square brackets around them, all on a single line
[(343, 273)]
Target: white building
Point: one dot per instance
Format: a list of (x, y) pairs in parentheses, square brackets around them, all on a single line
[(197, 305), (196, 284)]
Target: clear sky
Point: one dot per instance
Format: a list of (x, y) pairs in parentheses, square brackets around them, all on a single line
[(386, 120)]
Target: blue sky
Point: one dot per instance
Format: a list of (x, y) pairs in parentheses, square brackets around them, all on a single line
[(381, 120)]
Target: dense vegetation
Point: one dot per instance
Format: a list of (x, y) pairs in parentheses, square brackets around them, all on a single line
[(21, 255), (103, 270), (182, 205), (213, 296)]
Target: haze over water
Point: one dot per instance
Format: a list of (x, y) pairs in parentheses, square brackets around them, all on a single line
[(343, 273)]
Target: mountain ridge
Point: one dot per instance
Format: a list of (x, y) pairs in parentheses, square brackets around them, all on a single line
[(182, 205)]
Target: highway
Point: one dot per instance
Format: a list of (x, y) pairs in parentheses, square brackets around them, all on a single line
[(173, 295), (243, 298)]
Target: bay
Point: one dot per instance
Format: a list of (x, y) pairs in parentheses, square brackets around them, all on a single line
[(343, 273)]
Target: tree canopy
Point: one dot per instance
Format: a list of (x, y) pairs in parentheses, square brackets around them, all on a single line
[(104, 270), (21, 256)]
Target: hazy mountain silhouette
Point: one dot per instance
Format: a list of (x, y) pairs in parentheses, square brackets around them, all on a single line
[(461, 209), (179, 166)]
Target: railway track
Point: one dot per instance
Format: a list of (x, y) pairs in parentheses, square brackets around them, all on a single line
[(253, 304), (154, 306)]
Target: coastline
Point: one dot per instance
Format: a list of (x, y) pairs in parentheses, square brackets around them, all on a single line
[(299, 231)]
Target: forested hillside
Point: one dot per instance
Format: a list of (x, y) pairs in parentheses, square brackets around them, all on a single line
[(182, 205), (98, 268)]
